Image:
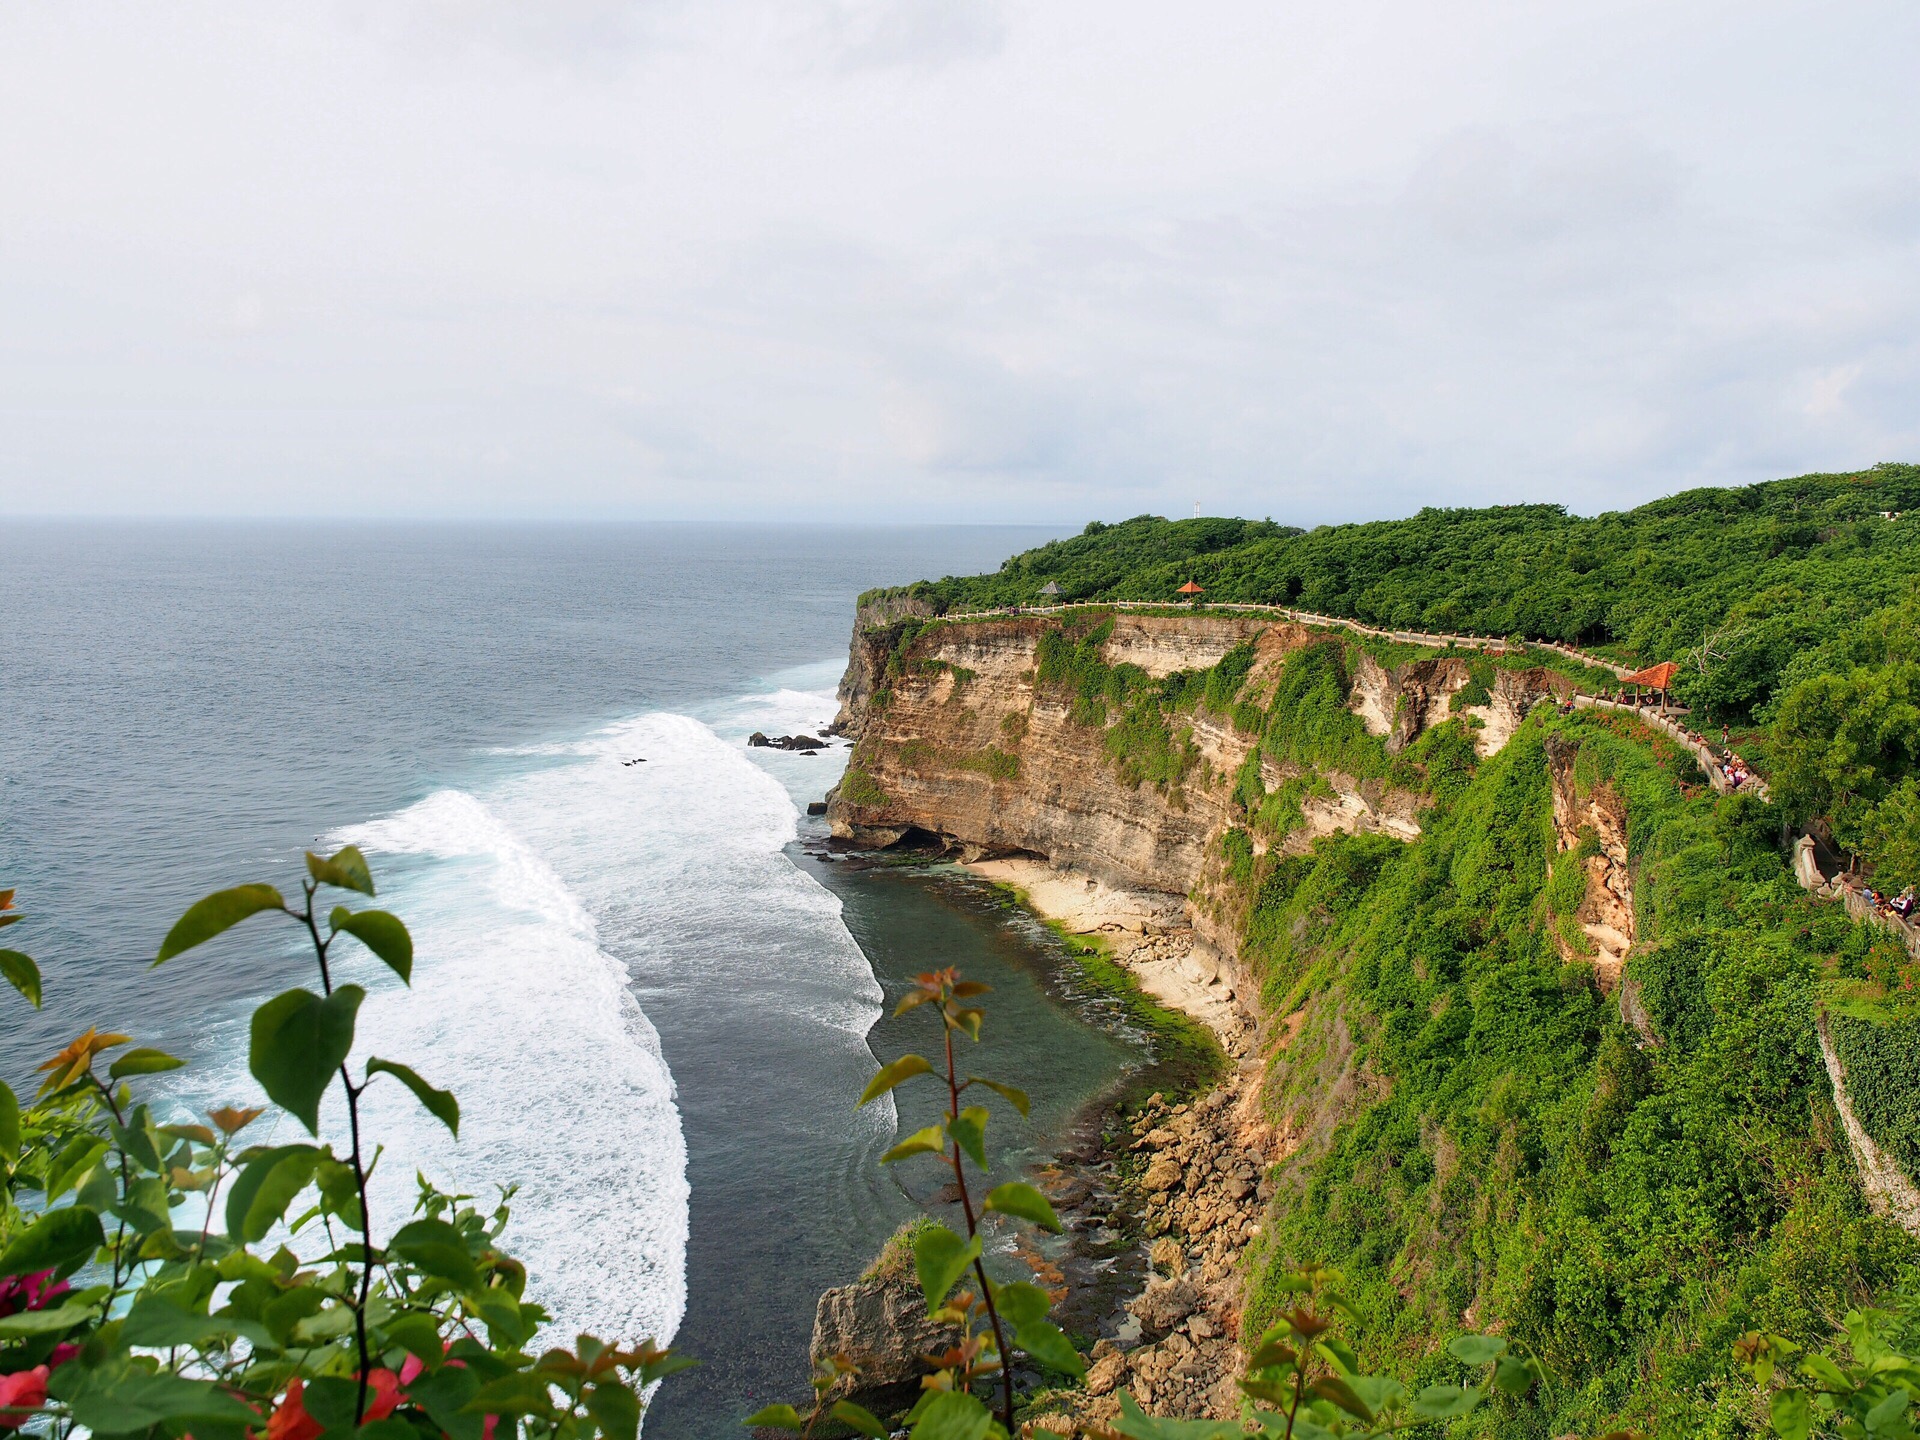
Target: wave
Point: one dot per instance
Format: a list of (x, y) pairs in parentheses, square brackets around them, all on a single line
[(517, 1008), (562, 909)]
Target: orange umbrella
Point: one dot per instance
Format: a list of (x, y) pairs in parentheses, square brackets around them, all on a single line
[(1190, 589)]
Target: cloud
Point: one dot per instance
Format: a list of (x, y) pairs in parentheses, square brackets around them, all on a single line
[(954, 259)]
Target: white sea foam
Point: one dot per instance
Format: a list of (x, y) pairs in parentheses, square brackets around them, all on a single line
[(551, 907), (517, 1008)]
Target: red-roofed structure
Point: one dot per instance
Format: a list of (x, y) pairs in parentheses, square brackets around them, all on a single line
[(1654, 677)]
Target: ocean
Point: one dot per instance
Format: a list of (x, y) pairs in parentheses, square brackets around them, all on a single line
[(654, 994)]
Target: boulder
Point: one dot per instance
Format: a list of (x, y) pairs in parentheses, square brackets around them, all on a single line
[(1164, 1305), (881, 1325), (1106, 1373), (757, 740), (1167, 1255), (816, 807), (1162, 1174)]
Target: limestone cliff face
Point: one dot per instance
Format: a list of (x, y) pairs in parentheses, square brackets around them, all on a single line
[(1404, 702), (957, 741)]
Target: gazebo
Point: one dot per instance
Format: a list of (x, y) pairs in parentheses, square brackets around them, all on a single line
[(1191, 590), (1654, 677), (1051, 590)]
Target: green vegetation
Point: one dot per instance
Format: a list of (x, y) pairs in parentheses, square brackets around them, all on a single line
[(857, 787), (1791, 606), (1499, 1145), (919, 754), (1883, 1078), (285, 1311), (1765, 571)]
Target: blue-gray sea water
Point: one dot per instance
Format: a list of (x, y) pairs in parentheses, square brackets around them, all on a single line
[(652, 1004)]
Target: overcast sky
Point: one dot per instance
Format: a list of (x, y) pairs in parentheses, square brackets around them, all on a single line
[(948, 259)]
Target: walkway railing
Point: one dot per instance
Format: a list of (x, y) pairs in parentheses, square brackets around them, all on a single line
[(1716, 773), (1490, 644)]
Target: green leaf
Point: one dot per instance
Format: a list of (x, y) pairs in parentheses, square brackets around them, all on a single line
[(130, 1401), (1381, 1392), (930, 1141), (1444, 1402), (1045, 1342), (1792, 1414), (1012, 1093), (143, 1062), (444, 1395), (953, 1415), (220, 911), (616, 1408), (440, 1103), (418, 1334), (299, 1041), (1138, 1425), (860, 1419), (778, 1417), (159, 1324), (665, 1363), (437, 1248), (1021, 1303), (940, 1258), (905, 1068), (1020, 1199), (1336, 1391), (1477, 1349), (345, 869), (20, 972), (73, 1163), (1512, 1375), (9, 1123), (57, 1238), (1889, 1408), (46, 1322), (260, 1196), (381, 933), (969, 1130), (509, 1323), (522, 1393), (331, 1399), (1826, 1372)]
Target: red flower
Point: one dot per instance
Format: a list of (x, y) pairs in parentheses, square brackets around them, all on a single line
[(290, 1420), (411, 1369), (21, 1393), (385, 1396), (29, 1292)]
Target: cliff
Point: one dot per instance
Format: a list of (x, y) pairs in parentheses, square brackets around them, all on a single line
[(962, 740)]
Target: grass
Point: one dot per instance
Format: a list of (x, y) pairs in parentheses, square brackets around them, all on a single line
[(857, 787), (895, 1260)]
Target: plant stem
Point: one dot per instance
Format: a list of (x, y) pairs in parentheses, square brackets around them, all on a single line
[(979, 1269), (359, 1173)]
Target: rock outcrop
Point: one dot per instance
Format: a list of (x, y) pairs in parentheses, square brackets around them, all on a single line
[(1594, 825), (1200, 1194), (1889, 1192), (879, 1325)]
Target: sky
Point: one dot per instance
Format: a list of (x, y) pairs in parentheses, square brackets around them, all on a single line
[(948, 260)]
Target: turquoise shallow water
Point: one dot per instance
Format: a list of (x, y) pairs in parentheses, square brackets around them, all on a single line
[(654, 1007)]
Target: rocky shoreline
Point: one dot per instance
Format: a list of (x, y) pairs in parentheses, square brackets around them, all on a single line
[(1158, 1204)]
